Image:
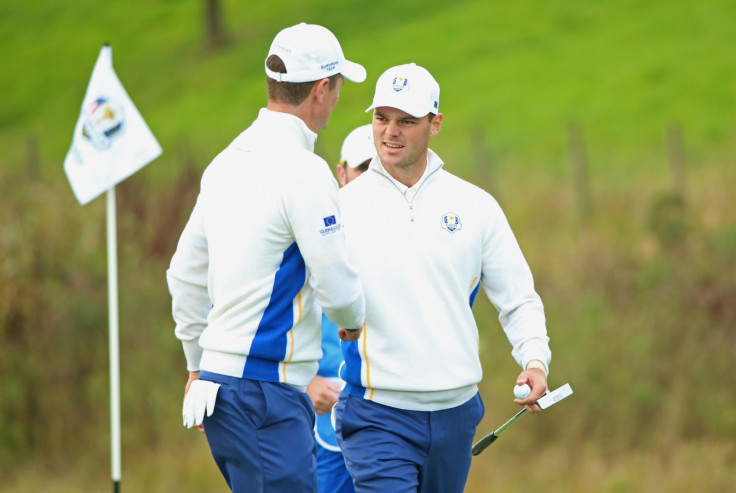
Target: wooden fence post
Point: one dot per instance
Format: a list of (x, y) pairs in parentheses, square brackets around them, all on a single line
[(32, 159), (483, 163), (213, 22), (579, 163), (676, 153)]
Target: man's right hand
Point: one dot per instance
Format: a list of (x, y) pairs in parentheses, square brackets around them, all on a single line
[(323, 393), (199, 397)]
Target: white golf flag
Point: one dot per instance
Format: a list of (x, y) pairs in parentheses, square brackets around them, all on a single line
[(111, 141)]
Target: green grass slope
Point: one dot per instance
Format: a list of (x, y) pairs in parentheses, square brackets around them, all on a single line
[(518, 72)]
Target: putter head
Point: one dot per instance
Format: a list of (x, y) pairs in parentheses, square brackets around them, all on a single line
[(555, 396)]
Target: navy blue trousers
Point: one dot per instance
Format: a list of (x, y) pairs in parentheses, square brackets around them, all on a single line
[(261, 436), (394, 450)]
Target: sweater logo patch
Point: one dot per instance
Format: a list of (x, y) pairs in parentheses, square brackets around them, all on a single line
[(451, 222), (331, 226)]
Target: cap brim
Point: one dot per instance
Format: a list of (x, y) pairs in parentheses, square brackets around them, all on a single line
[(355, 162), (353, 71), (415, 112)]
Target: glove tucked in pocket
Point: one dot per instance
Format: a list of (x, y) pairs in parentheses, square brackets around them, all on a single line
[(200, 398)]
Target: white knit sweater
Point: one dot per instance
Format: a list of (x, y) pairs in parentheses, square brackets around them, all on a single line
[(263, 250), (421, 254)]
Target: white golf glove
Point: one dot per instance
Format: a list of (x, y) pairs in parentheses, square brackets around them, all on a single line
[(200, 397)]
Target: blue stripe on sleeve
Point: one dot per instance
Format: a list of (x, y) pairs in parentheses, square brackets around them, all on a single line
[(269, 344)]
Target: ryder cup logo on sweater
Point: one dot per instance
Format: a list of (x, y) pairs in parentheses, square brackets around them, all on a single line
[(451, 222), (401, 83), (331, 226), (104, 121)]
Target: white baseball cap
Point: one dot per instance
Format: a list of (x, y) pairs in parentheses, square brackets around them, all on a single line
[(358, 146), (311, 52), (409, 88)]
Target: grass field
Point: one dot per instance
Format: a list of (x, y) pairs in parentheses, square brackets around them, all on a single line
[(638, 279)]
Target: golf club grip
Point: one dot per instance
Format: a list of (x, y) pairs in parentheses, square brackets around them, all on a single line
[(483, 443), (489, 439)]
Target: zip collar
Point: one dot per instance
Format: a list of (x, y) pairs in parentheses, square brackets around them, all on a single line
[(434, 164)]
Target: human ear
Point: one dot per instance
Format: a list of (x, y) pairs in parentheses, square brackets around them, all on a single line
[(341, 174), (436, 124), (320, 88)]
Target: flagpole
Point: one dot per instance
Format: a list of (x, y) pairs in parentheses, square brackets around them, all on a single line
[(112, 274), (111, 141)]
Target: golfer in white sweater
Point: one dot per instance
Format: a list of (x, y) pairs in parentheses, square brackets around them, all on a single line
[(428, 241)]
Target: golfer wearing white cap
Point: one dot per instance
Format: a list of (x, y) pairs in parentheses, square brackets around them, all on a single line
[(408, 413), (262, 256), (357, 151)]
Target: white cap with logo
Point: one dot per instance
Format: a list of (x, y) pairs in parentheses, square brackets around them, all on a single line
[(409, 88), (358, 146), (311, 52)]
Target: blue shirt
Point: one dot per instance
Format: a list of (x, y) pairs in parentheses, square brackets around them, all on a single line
[(329, 366)]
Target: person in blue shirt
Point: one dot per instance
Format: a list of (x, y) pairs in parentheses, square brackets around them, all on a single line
[(324, 390)]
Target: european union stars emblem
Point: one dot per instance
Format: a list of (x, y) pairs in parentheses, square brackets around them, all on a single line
[(331, 226)]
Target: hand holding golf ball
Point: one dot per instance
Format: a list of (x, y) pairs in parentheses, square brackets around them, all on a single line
[(522, 391)]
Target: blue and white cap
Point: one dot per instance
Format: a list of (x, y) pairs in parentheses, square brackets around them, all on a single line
[(409, 88), (311, 52)]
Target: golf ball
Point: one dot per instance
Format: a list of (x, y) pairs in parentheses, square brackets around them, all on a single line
[(522, 391)]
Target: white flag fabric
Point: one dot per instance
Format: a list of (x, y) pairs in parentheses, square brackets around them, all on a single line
[(111, 141)]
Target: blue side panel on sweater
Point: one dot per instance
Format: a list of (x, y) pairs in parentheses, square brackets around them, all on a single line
[(269, 345), (350, 371)]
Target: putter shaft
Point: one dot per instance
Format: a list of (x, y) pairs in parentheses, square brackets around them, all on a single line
[(484, 442)]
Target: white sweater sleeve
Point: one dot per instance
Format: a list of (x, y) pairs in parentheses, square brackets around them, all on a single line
[(187, 279), (508, 283), (314, 216)]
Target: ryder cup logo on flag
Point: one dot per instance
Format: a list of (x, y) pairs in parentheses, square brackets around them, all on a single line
[(111, 141), (103, 122)]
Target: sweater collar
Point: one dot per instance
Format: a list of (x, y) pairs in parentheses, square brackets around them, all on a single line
[(289, 126), (434, 163)]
